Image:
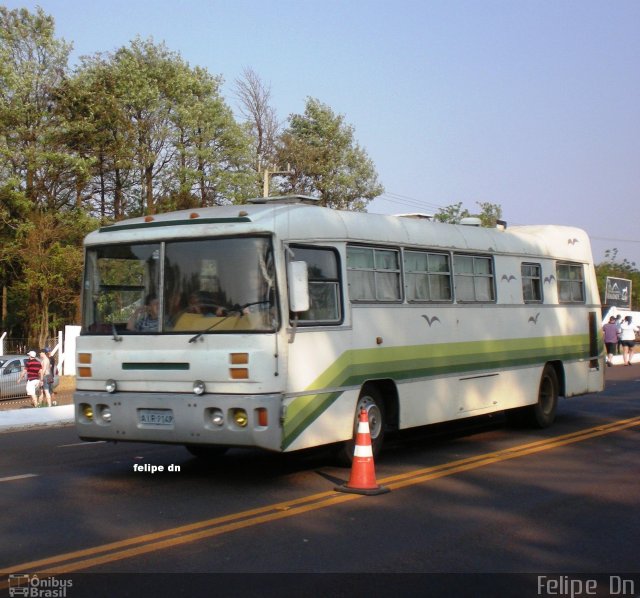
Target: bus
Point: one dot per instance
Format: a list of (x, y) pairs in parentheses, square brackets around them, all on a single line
[(272, 324)]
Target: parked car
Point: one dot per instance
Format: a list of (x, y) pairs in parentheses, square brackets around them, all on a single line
[(10, 368)]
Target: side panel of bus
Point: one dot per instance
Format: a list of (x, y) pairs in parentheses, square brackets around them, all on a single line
[(441, 362)]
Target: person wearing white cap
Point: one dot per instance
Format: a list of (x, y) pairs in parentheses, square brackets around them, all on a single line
[(32, 373)]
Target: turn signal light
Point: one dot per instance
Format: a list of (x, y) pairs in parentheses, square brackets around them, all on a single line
[(263, 417), (87, 411), (239, 373), (240, 417), (84, 372), (84, 357)]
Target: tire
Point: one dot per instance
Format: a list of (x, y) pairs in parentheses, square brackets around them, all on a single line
[(543, 413), (371, 401), (206, 451)]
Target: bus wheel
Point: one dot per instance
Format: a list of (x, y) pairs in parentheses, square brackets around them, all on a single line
[(371, 402), (543, 413), (206, 451)]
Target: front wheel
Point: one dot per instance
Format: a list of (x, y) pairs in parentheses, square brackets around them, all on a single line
[(543, 413), (371, 401)]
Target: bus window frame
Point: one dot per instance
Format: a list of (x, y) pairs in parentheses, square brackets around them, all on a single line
[(492, 276), (337, 282), (399, 271)]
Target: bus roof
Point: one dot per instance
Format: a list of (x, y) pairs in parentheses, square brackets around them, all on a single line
[(299, 221)]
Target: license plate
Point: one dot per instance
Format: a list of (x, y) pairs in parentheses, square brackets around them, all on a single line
[(155, 417)]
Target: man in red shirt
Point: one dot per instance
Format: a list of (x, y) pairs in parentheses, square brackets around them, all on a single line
[(32, 373)]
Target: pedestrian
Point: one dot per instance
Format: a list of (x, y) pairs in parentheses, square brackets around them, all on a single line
[(628, 339), (32, 373), (54, 374), (618, 325), (610, 331), (46, 377)]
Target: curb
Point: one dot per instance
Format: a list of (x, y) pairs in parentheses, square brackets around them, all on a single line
[(45, 416)]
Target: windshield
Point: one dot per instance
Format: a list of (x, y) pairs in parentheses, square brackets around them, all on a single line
[(211, 285)]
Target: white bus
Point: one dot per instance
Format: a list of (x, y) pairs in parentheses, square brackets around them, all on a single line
[(272, 324)]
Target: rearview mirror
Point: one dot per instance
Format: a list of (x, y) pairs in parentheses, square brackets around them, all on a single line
[(298, 286)]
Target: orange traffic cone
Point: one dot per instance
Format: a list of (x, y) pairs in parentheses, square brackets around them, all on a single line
[(363, 474)]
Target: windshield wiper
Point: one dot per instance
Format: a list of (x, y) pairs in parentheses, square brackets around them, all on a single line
[(235, 310)]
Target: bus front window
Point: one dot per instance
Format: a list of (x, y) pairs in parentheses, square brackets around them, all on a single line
[(118, 279), (211, 285)]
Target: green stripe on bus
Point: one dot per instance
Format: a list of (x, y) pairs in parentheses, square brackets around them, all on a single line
[(356, 366)]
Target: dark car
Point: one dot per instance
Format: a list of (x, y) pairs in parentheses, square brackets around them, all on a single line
[(10, 368)]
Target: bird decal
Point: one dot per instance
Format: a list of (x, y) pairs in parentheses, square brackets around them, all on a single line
[(573, 241), (508, 278), (430, 321), (534, 319), (549, 279)]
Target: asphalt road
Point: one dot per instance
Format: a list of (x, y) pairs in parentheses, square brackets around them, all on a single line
[(479, 509)]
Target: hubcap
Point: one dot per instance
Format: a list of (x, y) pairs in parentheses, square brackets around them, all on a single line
[(373, 414)]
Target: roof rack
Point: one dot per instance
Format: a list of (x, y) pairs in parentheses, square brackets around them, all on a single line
[(286, 199), (416, 215)]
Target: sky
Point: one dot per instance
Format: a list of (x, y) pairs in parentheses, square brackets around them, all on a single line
[(530, 104)]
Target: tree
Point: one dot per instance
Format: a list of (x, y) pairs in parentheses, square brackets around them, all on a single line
[(32, 66), (213, 153), (47, 293), (158, 133), (100, 132), (38, 174), (254, 98), (326, 161), (453, 214)]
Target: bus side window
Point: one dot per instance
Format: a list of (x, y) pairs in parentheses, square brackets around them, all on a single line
[(570, 282), (531, 283)]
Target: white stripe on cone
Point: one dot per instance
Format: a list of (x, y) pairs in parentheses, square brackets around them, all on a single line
[(363, 427), (363, 451)]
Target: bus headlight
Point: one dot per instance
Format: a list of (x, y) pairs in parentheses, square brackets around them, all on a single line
[(199, 387), (105, 413), (217, 418), (110, 386)]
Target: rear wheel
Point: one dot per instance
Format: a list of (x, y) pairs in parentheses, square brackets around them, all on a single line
[(371, 401), (543, 413)]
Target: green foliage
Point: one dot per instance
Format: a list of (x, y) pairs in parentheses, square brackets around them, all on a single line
[(326, 161), (136, 131), (489, 214)]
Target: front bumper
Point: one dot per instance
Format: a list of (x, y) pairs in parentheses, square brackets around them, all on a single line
[(176, 418)]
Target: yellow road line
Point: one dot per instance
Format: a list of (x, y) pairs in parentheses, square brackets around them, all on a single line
[(24, 476), (170, 538)]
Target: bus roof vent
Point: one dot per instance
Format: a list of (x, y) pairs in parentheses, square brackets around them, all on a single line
[(286, 199), (471, 221), (416, 215)]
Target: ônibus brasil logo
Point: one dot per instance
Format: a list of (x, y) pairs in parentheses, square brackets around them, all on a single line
[(32, 586)]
